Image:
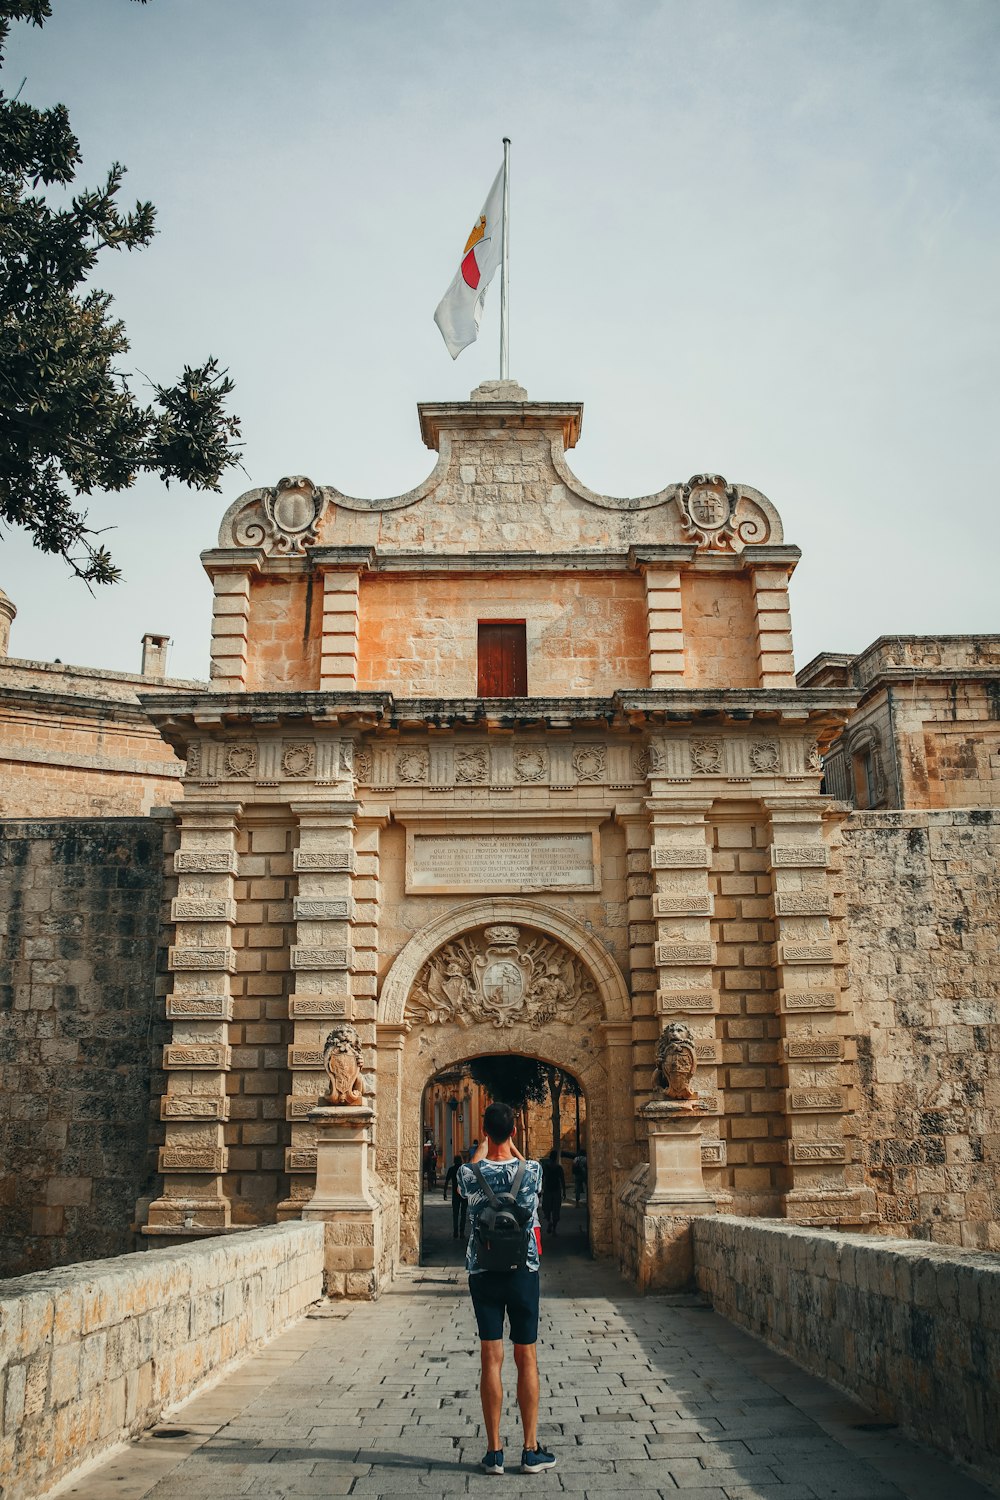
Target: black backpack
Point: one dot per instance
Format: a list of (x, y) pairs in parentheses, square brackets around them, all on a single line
[(502, 1227)]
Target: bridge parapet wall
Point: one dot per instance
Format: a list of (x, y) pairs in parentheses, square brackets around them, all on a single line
[(92, 1354), (911, 1329)]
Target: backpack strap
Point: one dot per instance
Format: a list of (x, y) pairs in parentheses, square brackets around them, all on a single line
[(510, 1192)]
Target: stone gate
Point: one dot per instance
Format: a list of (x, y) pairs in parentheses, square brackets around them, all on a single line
[(630, 832)]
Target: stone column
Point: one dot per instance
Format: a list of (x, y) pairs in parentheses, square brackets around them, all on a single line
[(321, 961), (615, 1136), (193, 1159), (813, 1021), (775, 663), (634, 820), (389, 1124), (682, 908)]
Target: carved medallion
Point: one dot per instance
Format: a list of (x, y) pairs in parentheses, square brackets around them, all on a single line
[(292, 510), (530, 763), (708, 505), (706, 757), (241, 760), (471, 766), (298, 759), (764, 755), (505, 976), (412, 766), (589, 762)]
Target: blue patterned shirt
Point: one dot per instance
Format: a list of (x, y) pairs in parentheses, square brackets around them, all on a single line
[(500, 1175)]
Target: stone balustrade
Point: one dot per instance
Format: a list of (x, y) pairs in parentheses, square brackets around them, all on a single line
[(93, 1353), (910, 1328)]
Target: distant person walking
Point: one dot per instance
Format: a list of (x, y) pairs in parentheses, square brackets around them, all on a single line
[(430, 1163), (502, 1260), (459, 1207), (553, 1191), (580, 1174)]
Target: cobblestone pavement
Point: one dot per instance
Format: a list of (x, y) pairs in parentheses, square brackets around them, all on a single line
[(644, 1396)]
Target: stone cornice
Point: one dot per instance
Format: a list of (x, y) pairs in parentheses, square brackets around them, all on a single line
[(78, 705), (471, 417), (177, 716)]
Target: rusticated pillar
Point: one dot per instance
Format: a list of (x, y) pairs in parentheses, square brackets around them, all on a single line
[(193, 1159), (814, 1015), (685, 953), (321, 961)]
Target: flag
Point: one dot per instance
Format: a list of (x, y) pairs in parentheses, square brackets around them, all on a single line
[(460, 309)]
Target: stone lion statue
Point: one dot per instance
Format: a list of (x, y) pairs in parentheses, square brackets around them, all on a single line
[(342, 1060), (675, 1061)]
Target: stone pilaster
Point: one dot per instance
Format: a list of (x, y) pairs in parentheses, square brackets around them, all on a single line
[(775, 663), (813, 1022), (231, 621), (665, 626), (321, 962), (338, 665), (634, 821), (684, 953), (194, 1159)]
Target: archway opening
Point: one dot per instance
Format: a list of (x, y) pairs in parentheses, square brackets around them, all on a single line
[(550, 1106)]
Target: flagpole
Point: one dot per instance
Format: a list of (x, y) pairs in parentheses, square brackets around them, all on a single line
[(505, 266)]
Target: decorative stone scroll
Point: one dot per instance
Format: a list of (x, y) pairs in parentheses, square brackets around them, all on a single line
[(504, 977), (283, 519)]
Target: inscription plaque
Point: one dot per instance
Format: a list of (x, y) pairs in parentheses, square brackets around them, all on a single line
[(513, 862)]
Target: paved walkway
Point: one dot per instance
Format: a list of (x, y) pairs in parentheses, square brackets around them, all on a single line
[(649, 1396)]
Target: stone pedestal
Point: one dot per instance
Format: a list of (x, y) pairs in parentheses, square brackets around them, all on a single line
[(351, 1201), (661, 1199), (676, 1182)]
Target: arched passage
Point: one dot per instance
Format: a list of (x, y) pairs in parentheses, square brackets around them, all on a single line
[(585, 1031)]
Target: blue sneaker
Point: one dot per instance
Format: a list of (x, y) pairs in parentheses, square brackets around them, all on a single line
[(534, 1460), (493, 1462)]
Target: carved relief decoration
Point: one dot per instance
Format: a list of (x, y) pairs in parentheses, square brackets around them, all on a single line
[(764, 755), (676, 1061), (530, 763), (412, 766), (589, 762), (284, 519), (342, 1061), (706, 757), (363, 766), (716, 516), (298, 759), (193, 767), (814, 760), (472, 766), (505, 976), (241, 760)]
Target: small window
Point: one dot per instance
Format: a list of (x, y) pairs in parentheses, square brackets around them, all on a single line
[(503, 659), (864, 780)]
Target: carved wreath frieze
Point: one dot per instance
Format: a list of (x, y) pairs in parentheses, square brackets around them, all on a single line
[(241, 760), (764, 755), (472, 767), (505, 977), (706, 757), (298, 759), (530, 763), (589, 762), (412, 766)]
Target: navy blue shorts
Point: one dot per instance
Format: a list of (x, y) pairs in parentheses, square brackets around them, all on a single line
[(512, 1292)]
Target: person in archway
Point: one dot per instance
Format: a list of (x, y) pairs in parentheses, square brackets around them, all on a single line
[(580, 1174), (553, 1191), (498, 1173), (459, 1207)]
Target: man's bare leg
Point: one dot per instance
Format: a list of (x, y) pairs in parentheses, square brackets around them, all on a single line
[(526, 1359), (491, 1390)]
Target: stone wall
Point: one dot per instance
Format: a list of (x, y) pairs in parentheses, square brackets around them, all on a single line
[(923, 904), (91, 1355), (912, 1330), (80, 1036)]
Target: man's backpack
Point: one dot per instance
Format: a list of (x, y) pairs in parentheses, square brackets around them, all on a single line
[(502, 1227)]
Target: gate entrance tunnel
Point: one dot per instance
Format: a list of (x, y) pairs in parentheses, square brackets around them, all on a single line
[(551, 1111)]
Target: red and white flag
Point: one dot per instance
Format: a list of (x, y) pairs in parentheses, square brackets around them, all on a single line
[(461, 307)]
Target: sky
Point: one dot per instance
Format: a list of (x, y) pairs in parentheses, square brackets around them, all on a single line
[(759, 238)]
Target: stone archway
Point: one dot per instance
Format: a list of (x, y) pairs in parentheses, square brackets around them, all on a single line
[(504, 976)]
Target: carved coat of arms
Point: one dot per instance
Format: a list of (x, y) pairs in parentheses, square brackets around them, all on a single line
[(503, 977)]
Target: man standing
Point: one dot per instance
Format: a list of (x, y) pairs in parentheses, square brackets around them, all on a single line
[(459, 1207), (496, 1168)]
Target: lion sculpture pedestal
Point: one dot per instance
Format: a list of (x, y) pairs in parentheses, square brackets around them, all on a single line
[(349, 1198)]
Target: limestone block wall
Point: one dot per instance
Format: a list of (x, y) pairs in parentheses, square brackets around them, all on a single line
[(912, 1330), (923, 907), (91, 1355), (80, 1033)]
